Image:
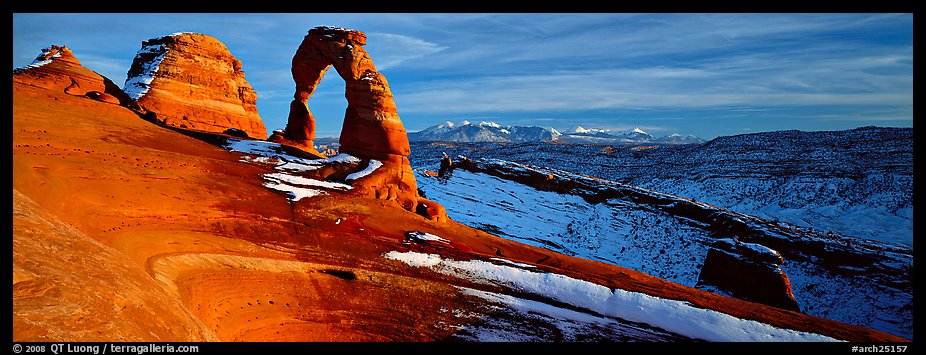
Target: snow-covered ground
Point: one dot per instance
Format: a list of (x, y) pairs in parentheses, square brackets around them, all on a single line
[(512, 319), (615, 232), (857, 182), (651, 239), (814, 202), (674, 316)]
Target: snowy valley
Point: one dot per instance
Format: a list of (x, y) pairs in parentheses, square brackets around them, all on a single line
[(661, 210)]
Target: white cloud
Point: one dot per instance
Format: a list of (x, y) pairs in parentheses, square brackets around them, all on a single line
[(390, 50), (659, 87)]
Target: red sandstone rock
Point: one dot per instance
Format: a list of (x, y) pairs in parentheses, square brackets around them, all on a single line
[(192, 81), (57, 69), (432, 210), (748, 271), (306, 145), (103, 97), (372, 128)]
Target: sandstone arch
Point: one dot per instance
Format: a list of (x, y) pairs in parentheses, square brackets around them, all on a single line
[(372, 128)]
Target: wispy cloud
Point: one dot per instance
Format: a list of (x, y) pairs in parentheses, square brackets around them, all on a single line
[(660, 87), (391, 50)]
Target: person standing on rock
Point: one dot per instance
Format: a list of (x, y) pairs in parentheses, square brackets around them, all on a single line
[(446, 167)]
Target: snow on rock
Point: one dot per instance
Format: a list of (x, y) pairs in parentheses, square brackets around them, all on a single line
[(42, 60), (191, 80), (263, 149), (286, 165), (675, 316), (275, 150), (418, 237), (374, 164), (180, 33), (303, 181), (505, 315), (138, 85), (343, 158), (295, 193), (512, 263)]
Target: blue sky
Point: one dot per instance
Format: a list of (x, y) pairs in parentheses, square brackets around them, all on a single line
[(702, 74)]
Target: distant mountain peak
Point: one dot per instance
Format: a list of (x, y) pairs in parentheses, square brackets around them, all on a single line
[(467, 132), (578, 129)]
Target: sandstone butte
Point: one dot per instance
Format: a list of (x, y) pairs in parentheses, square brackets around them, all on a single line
[(192, 81), (128, 230)]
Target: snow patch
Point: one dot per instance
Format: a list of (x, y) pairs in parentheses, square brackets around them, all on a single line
[(512, 263), (422, 236), (39, 61), (342, 158), (137, 86), (295, 193), (298, 187), (374, 164), (303, 181), (570, 325), (672, 315), (261, 160)]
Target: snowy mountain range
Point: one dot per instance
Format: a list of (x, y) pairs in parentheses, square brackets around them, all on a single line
[(582, 135), (482, 132), (485, 132)]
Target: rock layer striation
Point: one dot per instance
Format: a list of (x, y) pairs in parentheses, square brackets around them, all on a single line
[(192, 81), (58, 69)]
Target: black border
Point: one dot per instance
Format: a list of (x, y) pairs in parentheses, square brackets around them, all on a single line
[(654, 6)]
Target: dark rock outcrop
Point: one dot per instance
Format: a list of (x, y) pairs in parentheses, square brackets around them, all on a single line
[(748, 271)]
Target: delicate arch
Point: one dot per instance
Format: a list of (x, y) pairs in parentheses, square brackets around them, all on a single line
[(372, 128)]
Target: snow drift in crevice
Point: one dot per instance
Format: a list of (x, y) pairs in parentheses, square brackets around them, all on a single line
[(672, 315), (138, 85)]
